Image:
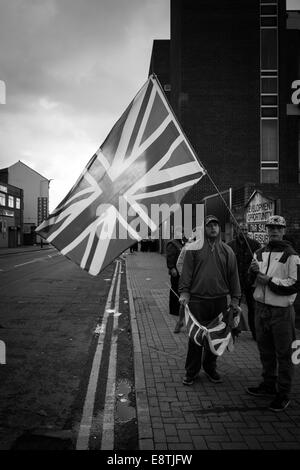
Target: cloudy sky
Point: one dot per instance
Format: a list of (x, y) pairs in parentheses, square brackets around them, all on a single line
[(71, 67)]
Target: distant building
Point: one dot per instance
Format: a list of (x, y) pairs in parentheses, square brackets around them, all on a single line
[(235, 87), (160, 61), (11, 215), (36, 196)]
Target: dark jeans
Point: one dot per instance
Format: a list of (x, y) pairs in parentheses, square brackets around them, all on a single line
[(173, 300), (275, 332), (204, 310)]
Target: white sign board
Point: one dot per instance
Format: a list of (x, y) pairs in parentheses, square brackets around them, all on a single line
[(258, 210)]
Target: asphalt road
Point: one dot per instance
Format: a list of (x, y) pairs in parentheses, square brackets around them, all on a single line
[(49, 311)]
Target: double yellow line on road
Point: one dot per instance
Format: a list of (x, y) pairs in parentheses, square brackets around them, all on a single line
[(87, 420)]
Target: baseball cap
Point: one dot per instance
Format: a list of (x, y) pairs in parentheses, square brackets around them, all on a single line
[(276, 220), (211, 218)]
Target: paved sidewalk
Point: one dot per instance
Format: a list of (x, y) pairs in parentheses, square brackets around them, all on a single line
[(172, 416)]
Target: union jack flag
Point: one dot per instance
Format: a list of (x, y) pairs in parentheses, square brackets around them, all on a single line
[(145, 159), (217, 336)]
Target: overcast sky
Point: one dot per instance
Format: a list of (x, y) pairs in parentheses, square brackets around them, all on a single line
[(71, 67)]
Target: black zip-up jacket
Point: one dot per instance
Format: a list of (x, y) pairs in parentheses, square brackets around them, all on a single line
[(173, 250), (244, 253)]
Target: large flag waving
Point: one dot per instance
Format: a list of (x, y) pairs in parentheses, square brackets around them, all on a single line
[(145, 160)]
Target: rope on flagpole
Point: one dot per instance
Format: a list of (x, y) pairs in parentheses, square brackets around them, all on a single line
[(204, 168)]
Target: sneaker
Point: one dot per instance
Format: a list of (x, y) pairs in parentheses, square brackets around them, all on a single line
[(261, 391), (187, 380), (280, 403), (213, 376)]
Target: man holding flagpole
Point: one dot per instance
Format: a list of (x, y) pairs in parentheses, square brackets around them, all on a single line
[(275, 269), (209, 276)]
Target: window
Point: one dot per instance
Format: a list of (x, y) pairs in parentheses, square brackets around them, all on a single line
[(269, 100), (11, 201), (268, 9), (269, 131), (2, 199), (269, 112), (18, 203), (269, 84), (268, 21), (269, 141), (269, 49), (269, 175)]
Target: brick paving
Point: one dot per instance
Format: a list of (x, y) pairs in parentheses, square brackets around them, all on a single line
[(172, 416)]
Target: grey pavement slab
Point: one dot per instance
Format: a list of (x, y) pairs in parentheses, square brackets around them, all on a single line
[(172, 416)]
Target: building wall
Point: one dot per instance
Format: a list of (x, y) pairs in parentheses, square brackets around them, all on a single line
[(11, 215), (175, 57), (218, 89), (160, 61), (34, 186), (292, 167), (219, 53)]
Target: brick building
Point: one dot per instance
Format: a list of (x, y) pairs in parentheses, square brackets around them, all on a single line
[(11, 216), (233, 81), (36, 196)]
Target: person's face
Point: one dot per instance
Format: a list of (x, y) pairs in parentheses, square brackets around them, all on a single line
[(212, 230), (275, 232)]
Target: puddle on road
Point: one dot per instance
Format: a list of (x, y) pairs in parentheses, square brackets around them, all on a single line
[(124, 410)]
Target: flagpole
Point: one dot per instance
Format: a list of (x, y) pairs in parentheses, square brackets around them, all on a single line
[(172, 290), (205, 170)]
